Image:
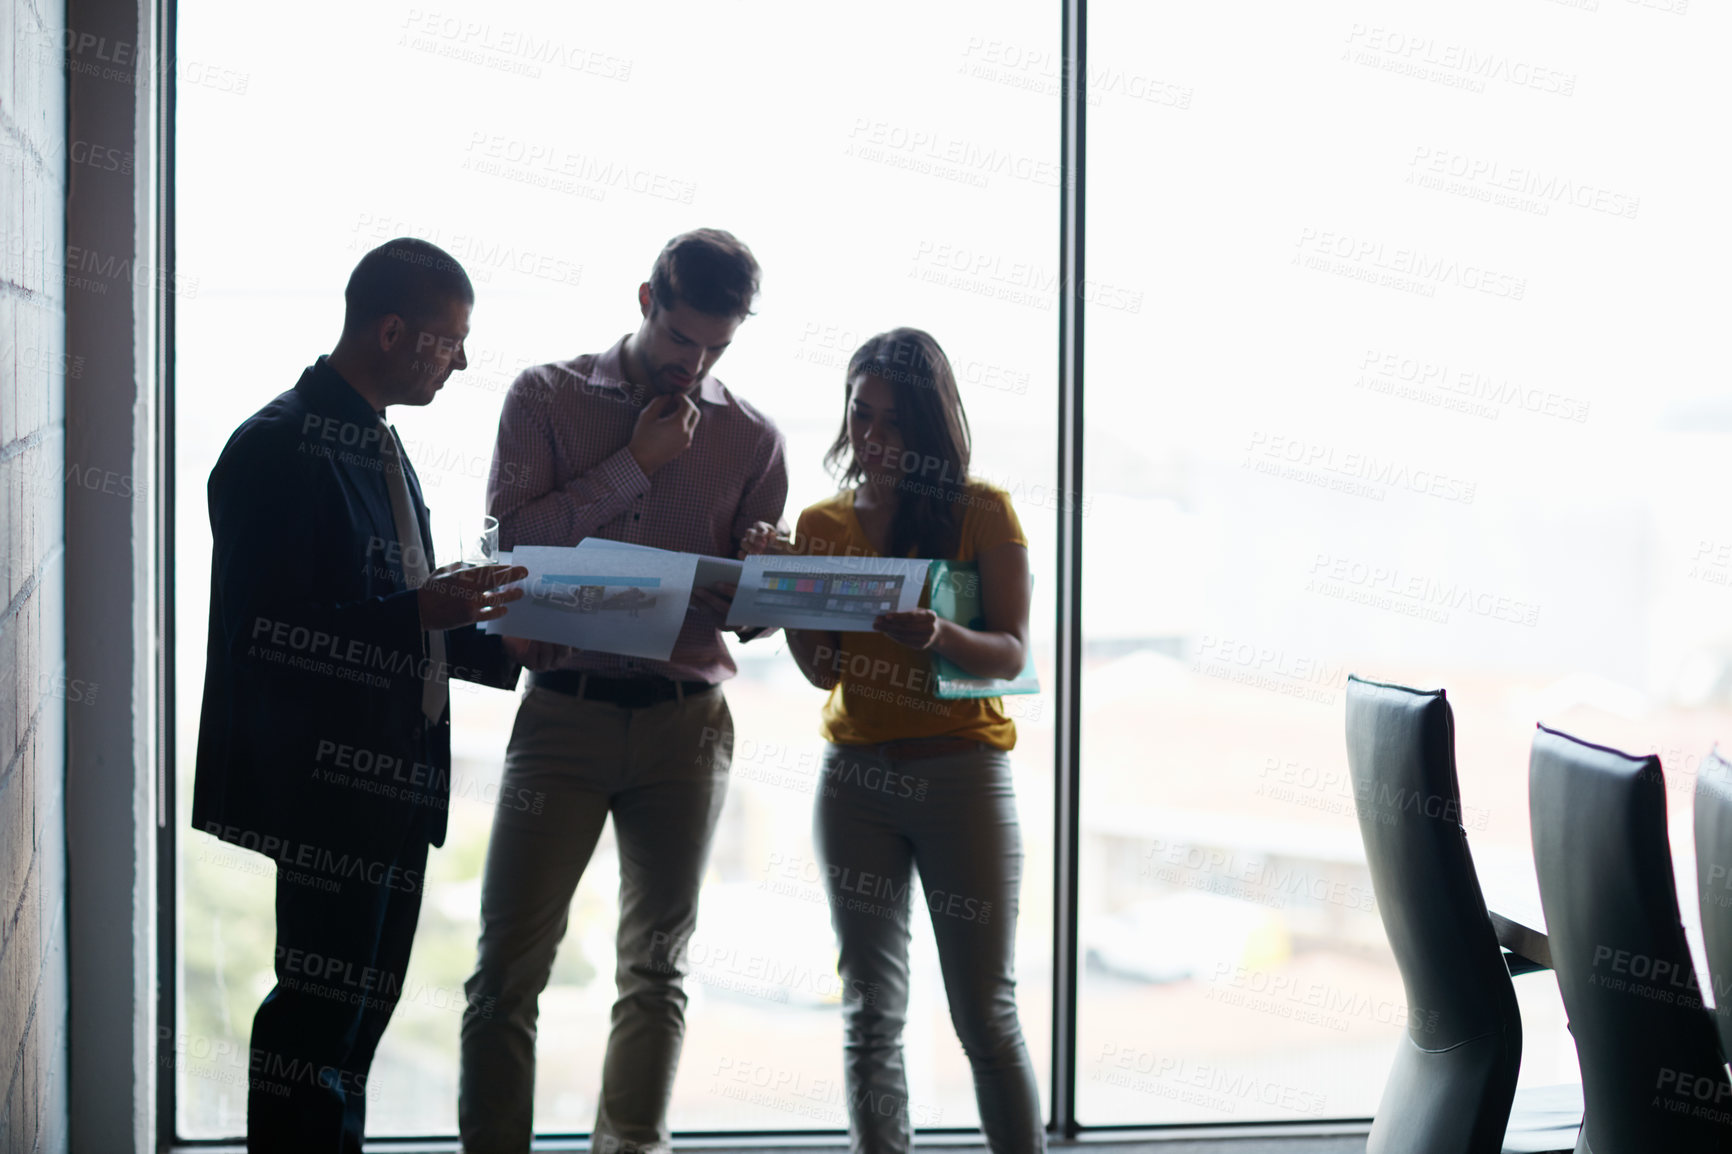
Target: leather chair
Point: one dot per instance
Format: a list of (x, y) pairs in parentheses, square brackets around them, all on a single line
[(1453, 1082), (1653, 1075), (1714, 883)]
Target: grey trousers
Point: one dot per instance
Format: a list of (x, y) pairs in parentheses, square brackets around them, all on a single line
[(661, 771), (954, 818)]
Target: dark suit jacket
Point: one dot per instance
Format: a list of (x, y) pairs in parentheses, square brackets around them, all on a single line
[(312, 741)]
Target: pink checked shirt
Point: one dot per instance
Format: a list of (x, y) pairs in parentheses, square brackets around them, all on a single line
[(561, 473)]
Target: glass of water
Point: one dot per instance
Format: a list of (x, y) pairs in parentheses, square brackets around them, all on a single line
[(481, 541)]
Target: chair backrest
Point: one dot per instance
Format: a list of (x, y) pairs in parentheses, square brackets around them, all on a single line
[(1653, 1077), (1714, 883), (1454, 1078)]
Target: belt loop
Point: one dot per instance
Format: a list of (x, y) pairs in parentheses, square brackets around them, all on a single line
[(582, 684), (679, 691)]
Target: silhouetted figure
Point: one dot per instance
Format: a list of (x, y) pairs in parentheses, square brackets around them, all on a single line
[(325, 740), (638, 444), (908, 779)]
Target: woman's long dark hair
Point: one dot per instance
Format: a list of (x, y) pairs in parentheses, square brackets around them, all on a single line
[(935, 440)]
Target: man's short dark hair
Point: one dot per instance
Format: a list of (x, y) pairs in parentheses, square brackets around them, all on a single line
[(409, 277), (710, 270)]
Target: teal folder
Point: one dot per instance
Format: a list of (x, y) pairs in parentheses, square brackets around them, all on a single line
[(956, 597)]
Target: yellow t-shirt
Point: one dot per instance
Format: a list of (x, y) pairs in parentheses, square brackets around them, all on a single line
[(884, 688)]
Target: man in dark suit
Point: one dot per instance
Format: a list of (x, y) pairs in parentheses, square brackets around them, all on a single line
[(325, 740)]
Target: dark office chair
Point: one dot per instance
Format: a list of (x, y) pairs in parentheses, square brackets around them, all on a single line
[(1714, 883), (1453, 1083), (1653, 1075)]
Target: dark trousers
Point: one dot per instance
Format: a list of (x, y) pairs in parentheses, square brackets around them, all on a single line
[(344, 928)]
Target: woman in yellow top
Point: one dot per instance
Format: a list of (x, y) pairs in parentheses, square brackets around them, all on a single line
[(909, 779)]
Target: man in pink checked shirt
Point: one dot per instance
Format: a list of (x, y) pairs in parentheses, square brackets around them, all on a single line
[(638, 444)]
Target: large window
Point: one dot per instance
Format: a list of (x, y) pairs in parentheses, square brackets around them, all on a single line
[(1396, 322), (1411, 393), (884, 171)]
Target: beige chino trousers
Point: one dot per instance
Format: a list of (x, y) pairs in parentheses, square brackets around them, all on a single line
[(662, 772)]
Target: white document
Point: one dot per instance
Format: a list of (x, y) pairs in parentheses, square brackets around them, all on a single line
[(711, 570), (625, 601), (840, 593)]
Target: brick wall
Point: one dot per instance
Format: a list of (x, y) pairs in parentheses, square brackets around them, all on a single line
[(34, 694)]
